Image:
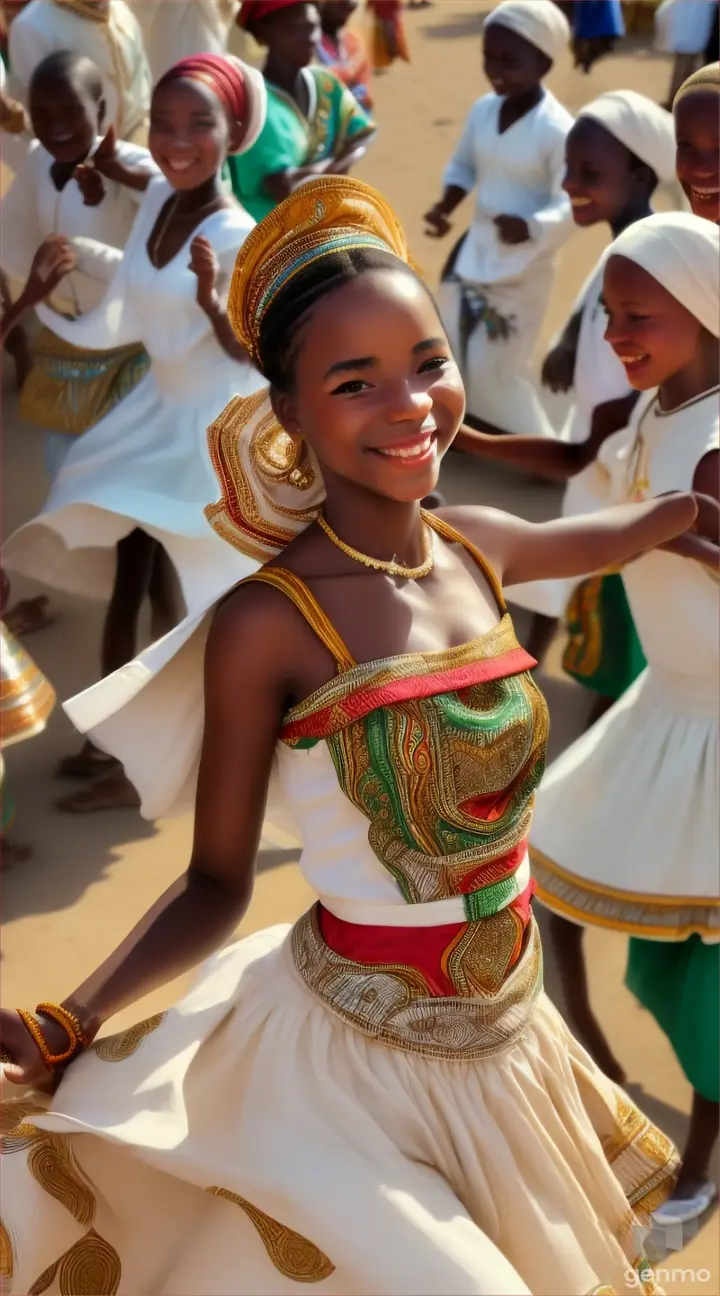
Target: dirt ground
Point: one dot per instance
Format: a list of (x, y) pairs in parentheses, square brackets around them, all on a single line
[(91, 878)]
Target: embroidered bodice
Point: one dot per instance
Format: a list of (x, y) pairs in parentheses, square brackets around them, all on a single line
[(412, 778)]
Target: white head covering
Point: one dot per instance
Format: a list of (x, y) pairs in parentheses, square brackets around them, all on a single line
[(641, 125), (256, 102), (539, 21), (683, 253)]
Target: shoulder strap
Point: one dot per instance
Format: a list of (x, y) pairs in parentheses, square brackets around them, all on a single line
[(297, 591), (448, 532)]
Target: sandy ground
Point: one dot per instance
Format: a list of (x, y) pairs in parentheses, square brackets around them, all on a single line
[(92, 878)]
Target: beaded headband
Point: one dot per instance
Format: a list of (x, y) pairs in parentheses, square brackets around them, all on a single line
[(331, 214)]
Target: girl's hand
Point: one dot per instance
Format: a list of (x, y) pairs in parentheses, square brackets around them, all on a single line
[(558, 370), (438, 222), (54, 259), (27, 1066), (90, 183), (205, 265), (512, 229)]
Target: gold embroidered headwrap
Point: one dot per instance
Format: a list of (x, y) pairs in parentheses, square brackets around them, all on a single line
[(271, 485), (327, 215)]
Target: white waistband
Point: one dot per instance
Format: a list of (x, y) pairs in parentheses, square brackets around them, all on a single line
[(434, 914)]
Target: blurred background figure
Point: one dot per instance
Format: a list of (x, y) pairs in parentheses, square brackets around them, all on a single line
[(176, 29), (107, 32), (344, 51), (597, 24), (314, 125), (389, 39), (688, 29)]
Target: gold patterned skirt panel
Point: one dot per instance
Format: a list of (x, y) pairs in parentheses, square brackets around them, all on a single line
[(70, 389), (392, 1003)]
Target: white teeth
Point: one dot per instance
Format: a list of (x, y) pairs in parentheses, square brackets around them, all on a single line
[(410, 452), (181, 166), (706, 193), (632, 359), (581, 202)]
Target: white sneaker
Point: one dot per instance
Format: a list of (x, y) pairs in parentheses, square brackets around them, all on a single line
[(680, 1210)]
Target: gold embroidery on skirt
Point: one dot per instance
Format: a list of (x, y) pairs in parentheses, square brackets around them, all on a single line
[(643, 1159), (90, 1268), (391, 1002), (52, 1162), (294, 1255), (6, 1253), (115, 1048), (480, 958), (13, 1113), (69, 389), (46, 1279)]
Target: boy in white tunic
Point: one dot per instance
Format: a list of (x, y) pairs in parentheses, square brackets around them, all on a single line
[(497, 282), (107, 32), (68, 390)]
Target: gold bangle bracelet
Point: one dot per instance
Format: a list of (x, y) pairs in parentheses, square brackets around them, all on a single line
[(68, 1020), (33, 1027)]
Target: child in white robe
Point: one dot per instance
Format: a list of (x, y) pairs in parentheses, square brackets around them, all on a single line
[(69, 389), (107, 32), (497, 282)]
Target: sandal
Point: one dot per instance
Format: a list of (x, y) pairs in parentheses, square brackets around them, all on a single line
[(86, 764), (115, 792)]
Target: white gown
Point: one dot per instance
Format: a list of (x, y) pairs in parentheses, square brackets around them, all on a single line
[(626, 827), (599, 377), (146, 463), (175, 29), (115, 47), (683, 26), (518, 173)]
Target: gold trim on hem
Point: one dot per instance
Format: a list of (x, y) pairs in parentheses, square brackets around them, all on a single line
[(671, 918)]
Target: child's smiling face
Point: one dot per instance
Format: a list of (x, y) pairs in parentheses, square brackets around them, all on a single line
[(697, 132)]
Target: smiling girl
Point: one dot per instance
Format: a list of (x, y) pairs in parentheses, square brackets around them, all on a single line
[(626, 831), (141, 476), (697, 128), (389, 1068)]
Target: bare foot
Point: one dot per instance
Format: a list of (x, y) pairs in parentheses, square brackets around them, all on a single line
[(115, 792), (86, 764), (29, 615), (13, 852)]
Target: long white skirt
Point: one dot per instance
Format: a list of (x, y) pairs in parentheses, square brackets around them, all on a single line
[(146, 464), (499, 385), (626, 833), (249, 1140)]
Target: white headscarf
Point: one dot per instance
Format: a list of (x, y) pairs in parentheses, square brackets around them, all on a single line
[(641, 125), (683, 253), (539, 21)]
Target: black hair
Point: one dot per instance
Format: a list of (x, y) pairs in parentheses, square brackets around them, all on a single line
[(65, 67), (285, 315)]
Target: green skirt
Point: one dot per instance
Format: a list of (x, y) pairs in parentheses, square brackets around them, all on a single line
[(603, 651), (679, 983)]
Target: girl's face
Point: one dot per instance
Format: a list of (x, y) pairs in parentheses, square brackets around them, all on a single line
[(512, 65), (377, 393), (65, 118), (600, 180), (649, 330), (190, 133), (292, 34), (697, 122)]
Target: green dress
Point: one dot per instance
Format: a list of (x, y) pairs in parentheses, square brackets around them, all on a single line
[(290, 139), (603, 651)]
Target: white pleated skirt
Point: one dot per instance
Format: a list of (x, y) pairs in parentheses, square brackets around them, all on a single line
[(249, 1140)]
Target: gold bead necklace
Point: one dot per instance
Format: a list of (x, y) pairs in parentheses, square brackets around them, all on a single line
[(391, 568)]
